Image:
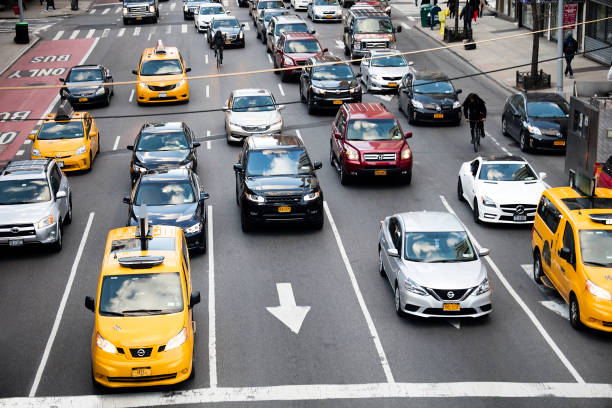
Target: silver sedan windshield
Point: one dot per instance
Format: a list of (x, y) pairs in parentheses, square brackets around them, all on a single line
[(438, 247)]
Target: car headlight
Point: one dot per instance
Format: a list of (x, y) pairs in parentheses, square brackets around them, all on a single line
[(318, 90), (355, 90), (288, 61), (406, 153), (139, 168), (338, 12), (142, 84), (484, 287), (417, 104), (125, 10), (351, 154), (45, 222), (194, 228), (534, 130), (81, 150), (312, 196), (36, 152), (597, 291), (105, 345), (100, 91), (411, 286), (376, 77), (152, 9), (456, 104), (177, 340), (241, 35), (488, 201), (254, 198), (180, 83)]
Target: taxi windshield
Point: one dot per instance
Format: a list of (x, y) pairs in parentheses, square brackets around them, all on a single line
[(596, 247), (253, 104), (438, 247), (291, 28), (507, 172), (286, 162), (60, 130), (302, 46), (161, 67), (24, 191), (373, 25), (84, 75), (141, 294), (389, 61), (373, 129), (162, 141), (231, 23), (164, 193)]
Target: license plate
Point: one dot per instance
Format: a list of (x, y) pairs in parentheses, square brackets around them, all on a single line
[(337, 102), (162, 94), (82, 99), (520, 218), (451, 307), (329, 16), (438, 115), (141, 372), (15, 242), (559, 142), (284, 209), (60, 164), (228, 42), (380, 172), (393, 84), (138, 18)]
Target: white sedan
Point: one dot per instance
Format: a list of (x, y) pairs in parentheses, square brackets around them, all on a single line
[(385, 71), (501, 189), (205, 13)]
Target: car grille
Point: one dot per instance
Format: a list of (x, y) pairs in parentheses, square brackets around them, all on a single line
[(373, 44), (139, 9), (449, 294), (283, 199), (338, 93), (161, 88), (146, 352), (527, 209), (231, 37), (379, 156), (397, 78), (24, 230), (142, 379), (255, 128), (302, 62)]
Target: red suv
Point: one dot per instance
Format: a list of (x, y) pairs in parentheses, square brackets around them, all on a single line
[(366, 139), (292, 50)]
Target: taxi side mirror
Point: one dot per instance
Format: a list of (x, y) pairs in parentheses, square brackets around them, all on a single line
[(194, 299), (31, 136), (90, 303), (566, 254)]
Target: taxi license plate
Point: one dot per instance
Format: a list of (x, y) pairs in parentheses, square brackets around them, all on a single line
[(82, 99), (162, 94), (380, 172), (559, 142), (329, 16), (284, 209), (451, 307), (60, 164), (393, 84), (520, 218), (438, 115), (141, 372), (228, 42), (337, 102), (15, 242)]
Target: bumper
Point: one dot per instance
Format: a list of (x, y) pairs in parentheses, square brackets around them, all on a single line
[(384, 85), (140, 15), (301, 5), (429, 115), (237, 42), (202, 25), (269, 213), (327, 17), (87, 100), (546, 143), (501, 216), (146, 95), (331, 102), (378, 170), (71, 163), (188, 14), (47, 235), (238, 133), (596, 314), (428, 306)]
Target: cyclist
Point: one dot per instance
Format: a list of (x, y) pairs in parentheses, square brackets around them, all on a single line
[(218, 42), (475, 112)]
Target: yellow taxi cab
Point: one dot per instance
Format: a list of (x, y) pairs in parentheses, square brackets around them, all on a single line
[(144, 329), (572, 252), (71, 138), (161, 76)]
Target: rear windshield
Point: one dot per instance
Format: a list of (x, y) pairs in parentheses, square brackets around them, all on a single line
[(211, 10), (332, 72), (24, 191), (162, 141), (271, 5), (326, 2), (302, 46), (373, 129), (84, 75), (258, 103), (547, 109), (291, 28), (233, 23), (161, 67), (389, 61), (134, 244), (61, 130), (430, 86), (507, 172)]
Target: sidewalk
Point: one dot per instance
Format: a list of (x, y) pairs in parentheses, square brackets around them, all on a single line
[(510, 52), (36, 11)]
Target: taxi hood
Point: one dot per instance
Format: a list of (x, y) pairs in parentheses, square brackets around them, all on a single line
[(600, 276), (140, 331), (59, 145)]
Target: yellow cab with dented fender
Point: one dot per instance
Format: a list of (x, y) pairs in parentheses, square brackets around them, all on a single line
[(71, 138), (572, 251), (144, 329), (162, 76)]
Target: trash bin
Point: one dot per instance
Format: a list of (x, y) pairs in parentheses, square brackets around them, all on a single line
[(21, 33), (425, 9)]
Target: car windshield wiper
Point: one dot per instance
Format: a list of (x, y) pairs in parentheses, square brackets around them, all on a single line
[(107, 313), (442, 260), (144, 311), (600, 264)]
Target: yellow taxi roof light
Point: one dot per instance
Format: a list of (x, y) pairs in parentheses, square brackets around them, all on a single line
[(159, 47), (141, 262), (64, 111)]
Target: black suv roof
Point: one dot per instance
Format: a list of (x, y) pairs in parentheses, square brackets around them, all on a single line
[(274, 141), (360, 13)]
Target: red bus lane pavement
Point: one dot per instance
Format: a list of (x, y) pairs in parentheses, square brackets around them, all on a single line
[(44, 64)]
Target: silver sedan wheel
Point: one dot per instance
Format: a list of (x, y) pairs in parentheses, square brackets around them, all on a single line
[(381, 268), (398, 301)]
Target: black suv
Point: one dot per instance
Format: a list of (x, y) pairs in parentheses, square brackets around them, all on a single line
[(87, 85), (276, 182), (171, 197), (162, 145), (324, 85)]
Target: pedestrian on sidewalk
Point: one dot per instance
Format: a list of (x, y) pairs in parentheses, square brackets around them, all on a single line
[(481, 7), (467, 14), (570, 46), (451, 6), (50, 3)]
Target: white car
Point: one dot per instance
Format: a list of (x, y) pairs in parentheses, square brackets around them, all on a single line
[(384, 72), (324, 10), (251, 111), (501, 189), (300, 4), (205, 13)]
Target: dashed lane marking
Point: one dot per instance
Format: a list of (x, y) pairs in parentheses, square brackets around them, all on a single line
[(270, 59), (116, 143), (339, 45), (206, 59), (183, 28), (131, 96), (27, 142), (208, 91), (58, 35), (247, 27), (136, 31), (282, 91), (169, 30), (208, 144)]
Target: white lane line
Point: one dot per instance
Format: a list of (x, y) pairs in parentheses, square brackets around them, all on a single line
[(62, 306), (58, 35), (207, 91), (524, 306), (364, 309), (116, 143), (212, 332), (183, 28), (330, 53), (270, 59), (105, 32), (20, 153), (282, 91), (90, 33), (136, 31), (208, 144), (172, 6), (298, 133), (74, 34), (206, 59), (131, 96), (169, 30), (106, 10), (92, 11), (411, 18), (406, 26), (121, 32), (149, 37), (117, 10)]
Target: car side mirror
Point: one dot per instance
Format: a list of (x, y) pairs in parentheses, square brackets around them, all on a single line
[(398, 29), (227, 12), (566, 254), (196, 144), (313, 31), (204, 196), (194, 299), (130, 147), (60, 194), (109, 78), (90, 303), (392, 252), (31, 136), (408, 135), (337, 135), (188, 69), (61, 79), (317, 165), (410, 63), (134, 72), (484, 251), (238, 167), (325, 50), (458, 91), (241, 25), (543, 175)]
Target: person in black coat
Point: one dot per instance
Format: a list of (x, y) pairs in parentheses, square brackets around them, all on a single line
[(467, 14), (570, 47)]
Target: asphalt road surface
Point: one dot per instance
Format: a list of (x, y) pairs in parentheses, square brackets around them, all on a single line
[(351, 350)]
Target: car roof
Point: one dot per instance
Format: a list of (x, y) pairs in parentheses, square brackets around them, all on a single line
[(363, 13), (430, 221), (324, 59), (154, 127), (169, 52), (502, 157), (261, 142), (543, 96), (87, 66), (174, 173), (368, 111), (26, 169), (382, 51), (431, 75), (579, 208), (250, 92), (215, 5), (299, 36), (224, 17)]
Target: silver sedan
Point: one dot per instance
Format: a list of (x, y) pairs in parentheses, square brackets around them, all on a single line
[(385, 71), (324, 10), (432, 266), (251, 111)]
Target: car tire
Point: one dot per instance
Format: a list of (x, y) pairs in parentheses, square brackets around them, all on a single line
[(244, 222), (332, 159), (345, 179), (202, 247), (96, 386), (263, 39), (397, 301), (410, 114), (574, 313), (476, 213), (258, 34), (284, 75), (68, 218), (406, 179), (154, 19), (381, 267), (347, 51), (537, 268), (108, 98), (90, 162), (523, 143), (311, 105), (504, 127), (237, 196), (460, 190), (126, 21), (318, 224), (57, 245), (302, 97)]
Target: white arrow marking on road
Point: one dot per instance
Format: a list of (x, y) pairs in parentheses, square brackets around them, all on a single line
[(270, 59), (557, 307), (384, 97), (288, 313), (339, 44), (456, 323)]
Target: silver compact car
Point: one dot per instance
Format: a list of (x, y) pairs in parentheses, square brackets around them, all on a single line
[(432, 266), (385, 71), (35, 203), (251, 111), (324, 10)]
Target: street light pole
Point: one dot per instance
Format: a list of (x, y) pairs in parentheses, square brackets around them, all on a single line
[(560, 47), (20, 3)]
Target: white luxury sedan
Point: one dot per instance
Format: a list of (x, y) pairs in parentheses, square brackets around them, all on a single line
[(251, 111), (501, 189)]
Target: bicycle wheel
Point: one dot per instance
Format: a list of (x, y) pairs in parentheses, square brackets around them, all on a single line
[(476, 140)]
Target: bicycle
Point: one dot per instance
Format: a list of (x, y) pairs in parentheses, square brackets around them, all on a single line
[(478, 133), (218, 57)]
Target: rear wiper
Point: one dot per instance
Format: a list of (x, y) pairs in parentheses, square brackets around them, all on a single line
[(146, 311), (106, 313)]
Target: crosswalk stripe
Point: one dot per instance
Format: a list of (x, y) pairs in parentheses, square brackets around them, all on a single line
[(172, 6), (117, 10), (406, 26), (92, 11), (90, 33), (169, 30), (411, 18), (106, 10), (136, 31), (74, 34), (105, 32), (120, 33), (184, 28), (58, 35)]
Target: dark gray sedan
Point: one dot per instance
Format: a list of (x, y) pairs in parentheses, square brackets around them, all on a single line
[(87, 85)]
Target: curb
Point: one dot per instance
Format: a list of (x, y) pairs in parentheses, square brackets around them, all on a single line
[(26, 49)]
